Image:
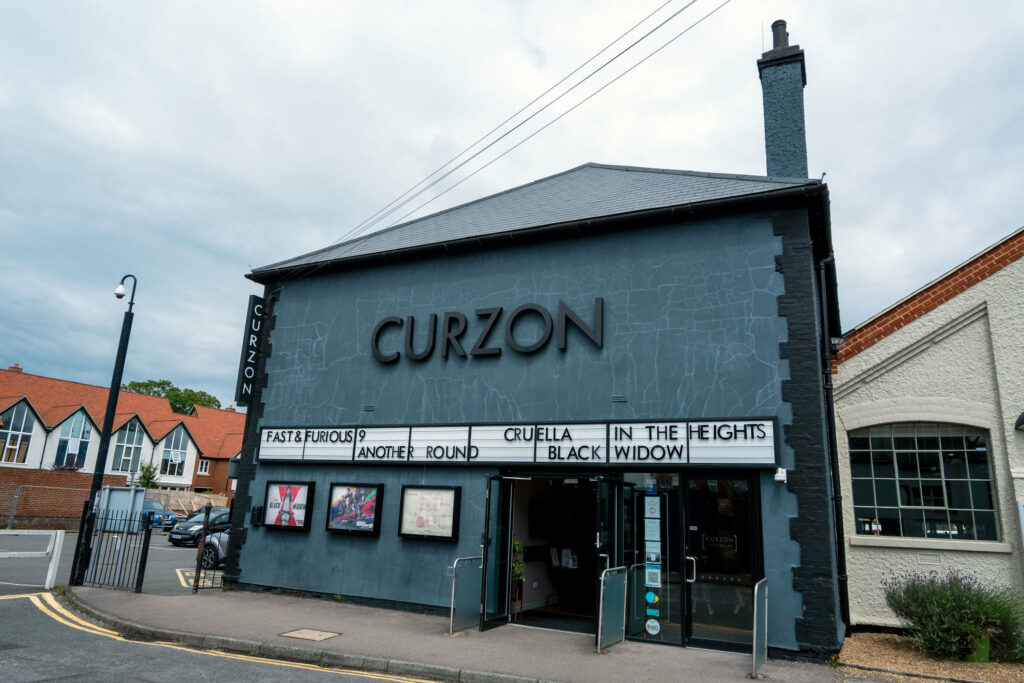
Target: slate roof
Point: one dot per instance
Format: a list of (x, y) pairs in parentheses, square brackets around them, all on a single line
[(215, 432), (586, 192)]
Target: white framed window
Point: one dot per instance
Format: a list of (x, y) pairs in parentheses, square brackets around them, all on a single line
[(204, 466), (128, 448), (16, 433), (175, 449), (74, 441), (923, 480)]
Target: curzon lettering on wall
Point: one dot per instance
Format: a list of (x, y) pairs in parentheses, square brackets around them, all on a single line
[(250, 352), (418, 337)]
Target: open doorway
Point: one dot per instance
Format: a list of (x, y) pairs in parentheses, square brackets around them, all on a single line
[(554, 524)]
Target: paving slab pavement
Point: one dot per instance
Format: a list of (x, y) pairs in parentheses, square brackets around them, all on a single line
[(374, 639)]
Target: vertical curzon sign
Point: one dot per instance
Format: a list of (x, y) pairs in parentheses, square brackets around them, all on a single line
[(250, 352)]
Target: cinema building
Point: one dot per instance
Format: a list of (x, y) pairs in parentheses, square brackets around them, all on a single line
[(612, 367)]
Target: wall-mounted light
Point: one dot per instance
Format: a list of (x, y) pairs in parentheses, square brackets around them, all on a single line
[(780, 475)]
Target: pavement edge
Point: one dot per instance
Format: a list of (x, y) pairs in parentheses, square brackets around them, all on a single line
[(208, 641)]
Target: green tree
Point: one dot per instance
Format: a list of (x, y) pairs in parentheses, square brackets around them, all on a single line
[(147, 476), (181, 399)]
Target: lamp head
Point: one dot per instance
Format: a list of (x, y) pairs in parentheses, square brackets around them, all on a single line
[(119, 292)]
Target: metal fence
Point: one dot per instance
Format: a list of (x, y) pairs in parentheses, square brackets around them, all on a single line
[(209, 556), (113, 548)]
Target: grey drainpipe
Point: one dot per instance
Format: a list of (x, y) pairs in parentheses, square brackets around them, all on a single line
[(830, 425)]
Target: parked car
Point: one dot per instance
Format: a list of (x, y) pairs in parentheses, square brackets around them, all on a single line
[(187, 532), (158, 517), (214, 550)]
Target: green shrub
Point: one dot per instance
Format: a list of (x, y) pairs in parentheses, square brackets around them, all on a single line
[(949, 613)]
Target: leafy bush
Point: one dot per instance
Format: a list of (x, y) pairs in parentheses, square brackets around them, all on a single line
[(949, 613)]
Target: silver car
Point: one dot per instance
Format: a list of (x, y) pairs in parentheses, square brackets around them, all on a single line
[(214, 550)]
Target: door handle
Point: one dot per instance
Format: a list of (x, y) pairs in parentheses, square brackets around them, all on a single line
[(607, 560), (692, 559)]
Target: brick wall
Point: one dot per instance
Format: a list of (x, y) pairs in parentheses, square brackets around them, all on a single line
[(46, 499), (913, 307)]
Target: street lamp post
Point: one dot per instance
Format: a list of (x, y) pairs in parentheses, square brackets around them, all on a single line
[(83, 552)]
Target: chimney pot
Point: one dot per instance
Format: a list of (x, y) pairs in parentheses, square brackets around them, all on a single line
[(780, 38), (230, 409), (15, 368)]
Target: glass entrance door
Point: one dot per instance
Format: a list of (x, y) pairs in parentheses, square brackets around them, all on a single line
[(720, 549), (653, 551), (496, 541)]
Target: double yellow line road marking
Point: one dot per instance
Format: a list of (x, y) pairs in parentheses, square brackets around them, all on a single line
[(51, 607)]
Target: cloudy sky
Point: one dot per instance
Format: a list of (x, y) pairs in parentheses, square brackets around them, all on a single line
[(189, 142)]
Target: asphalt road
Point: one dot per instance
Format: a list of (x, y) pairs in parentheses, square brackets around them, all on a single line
[(169, 569), (42, 640)]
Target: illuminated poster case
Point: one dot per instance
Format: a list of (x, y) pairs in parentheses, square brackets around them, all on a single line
[(430, 513), (288, 505)]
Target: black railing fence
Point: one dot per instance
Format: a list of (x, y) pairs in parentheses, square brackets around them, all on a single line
[(112, 550)]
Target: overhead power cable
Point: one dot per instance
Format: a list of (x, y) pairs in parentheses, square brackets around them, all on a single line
[(314, 267), (559, 117), (399, 202)]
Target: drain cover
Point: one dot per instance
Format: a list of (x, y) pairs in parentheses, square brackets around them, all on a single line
[(310, 634)]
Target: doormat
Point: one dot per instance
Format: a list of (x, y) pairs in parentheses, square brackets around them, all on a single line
[(310, 634)]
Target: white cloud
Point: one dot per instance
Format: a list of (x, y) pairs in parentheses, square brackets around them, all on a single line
[(189, 142)]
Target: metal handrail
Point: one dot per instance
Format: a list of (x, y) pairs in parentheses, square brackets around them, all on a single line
[(759, 657), (453, 571), (600, 605)]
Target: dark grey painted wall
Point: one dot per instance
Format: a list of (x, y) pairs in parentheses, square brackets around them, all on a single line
[(692, 329), (388, 567)]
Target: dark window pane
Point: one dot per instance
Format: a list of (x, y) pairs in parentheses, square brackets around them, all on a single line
[(958, 493), (890, 521), (62, 450), (928, 443), (955, 463), (860, 464), (932, 493), (975, 443), (929, 463), (952, 443), (885, 492), (865, 521), (985, 525), (936, 524), (962, 523), (982, 495), (859, 443), (883, 464), (904, 443), (907, 465), (910, 492), (881, 443), (977, 464), (863, 493), (913, 523)]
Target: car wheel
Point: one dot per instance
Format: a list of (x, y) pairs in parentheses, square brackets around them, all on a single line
[(209, 558)]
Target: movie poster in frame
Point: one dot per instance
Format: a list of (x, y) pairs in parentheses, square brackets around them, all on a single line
[(430, 513), (288, 505), (355, 508)]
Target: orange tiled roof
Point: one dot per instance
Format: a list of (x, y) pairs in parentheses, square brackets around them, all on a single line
[(214, 431)]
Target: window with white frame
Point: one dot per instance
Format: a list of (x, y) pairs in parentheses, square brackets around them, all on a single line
[(128, 449), (204, 466), (175, 449), (74, 441), (16, 433), (923, 480)]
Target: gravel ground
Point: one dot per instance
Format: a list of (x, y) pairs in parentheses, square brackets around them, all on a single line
[(896, 653)]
